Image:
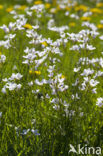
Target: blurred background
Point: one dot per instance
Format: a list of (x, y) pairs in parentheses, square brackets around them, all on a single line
[(50, 1)]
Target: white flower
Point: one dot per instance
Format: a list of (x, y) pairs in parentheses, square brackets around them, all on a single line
[(101, 37), (101, 62), (18, 86), (86, 14), (74, 16), (10, 36), (5, 80), (24, 132), (0, 114), (94, 90), (11, 86), (38, 83), (14, 76), (5, 28), (77, 69), (66, 13), (30, 83), (87, 72), (90, 25), (3, 90), (101, 21), (93, 82), (2, 58), (99, 102), (90, 47), (86, 79)]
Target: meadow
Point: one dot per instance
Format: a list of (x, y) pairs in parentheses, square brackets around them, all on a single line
[(51, 77)]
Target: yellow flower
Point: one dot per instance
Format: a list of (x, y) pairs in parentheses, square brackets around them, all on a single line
[(37, 72), (30, 72), (1, 6), (81, 7), (37, 2), (72, 24), (9, 9), (100, 26), (96, 10), (63, 77), (99, 5), (85, 18), (34, 72), (58, 8), (68, 8), (47, 5), (23, 7), (44, 43), (28, 26)]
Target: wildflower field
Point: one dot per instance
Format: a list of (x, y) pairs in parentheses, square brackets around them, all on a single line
[(51, 77)]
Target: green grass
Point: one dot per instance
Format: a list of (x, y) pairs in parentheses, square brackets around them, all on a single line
[(23, 110)]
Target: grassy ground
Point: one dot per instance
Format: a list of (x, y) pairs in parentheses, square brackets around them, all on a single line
[(54, 99)]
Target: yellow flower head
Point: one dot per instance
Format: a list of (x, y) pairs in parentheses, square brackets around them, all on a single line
[(47, 5), (30, 72), (99, 5), (63, 77), (81, 8), (58, 8), (100, 26), (28, 26), (85, 18), (37, 72), (34, 72), (68, 8), (37, 2), (23, 7), (1, 6), (9, 9), (96, 10), (72, 24), (44, 43)]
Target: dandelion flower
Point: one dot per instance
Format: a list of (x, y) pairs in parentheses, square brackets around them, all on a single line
[(37, 2), (72, 24), (23, 7), (28, 26), (99, 5), (85, 18), (1, 6), (81, 8), (100, 26), (44, 43), (34, 72), (96, 10), (47, 5), (9, 9)]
